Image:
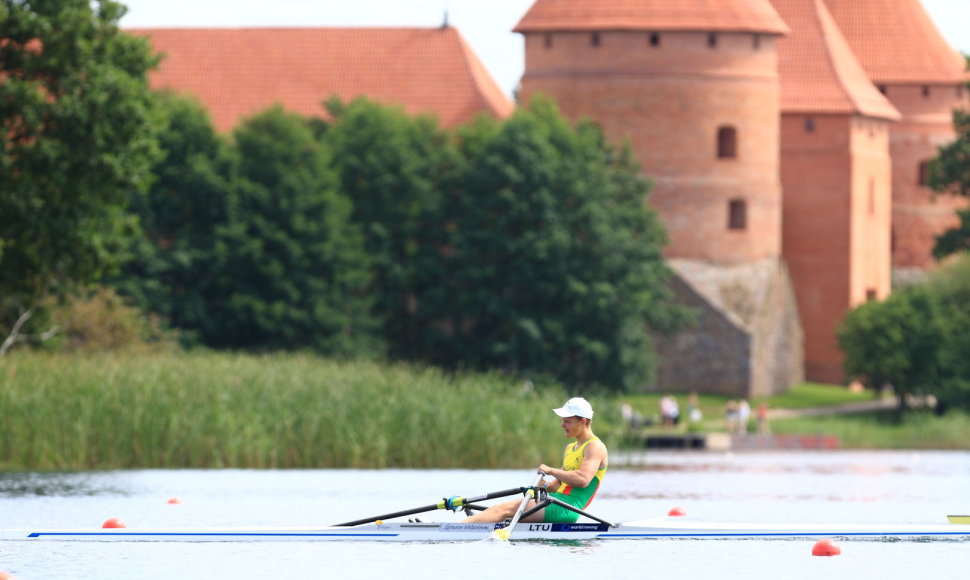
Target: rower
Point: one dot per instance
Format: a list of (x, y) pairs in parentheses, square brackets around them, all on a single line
[(584, 464)]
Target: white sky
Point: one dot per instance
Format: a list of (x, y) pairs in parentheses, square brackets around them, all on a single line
[(485, 24)]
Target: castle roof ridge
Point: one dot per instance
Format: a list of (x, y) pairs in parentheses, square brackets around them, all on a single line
[(819, 73), (756, 16), (897, 42), (237, 72)]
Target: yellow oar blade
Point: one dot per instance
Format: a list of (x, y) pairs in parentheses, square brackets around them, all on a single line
[(502, 534), (959, 519)]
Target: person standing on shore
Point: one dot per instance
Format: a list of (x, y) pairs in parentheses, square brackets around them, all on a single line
[(583, 467)]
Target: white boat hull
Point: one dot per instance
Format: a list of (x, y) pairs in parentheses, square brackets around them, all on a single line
[(661, 528)]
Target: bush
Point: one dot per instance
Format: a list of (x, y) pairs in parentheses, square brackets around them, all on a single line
[(103, 321)]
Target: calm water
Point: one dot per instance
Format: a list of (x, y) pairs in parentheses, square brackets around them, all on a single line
[(887, 487)]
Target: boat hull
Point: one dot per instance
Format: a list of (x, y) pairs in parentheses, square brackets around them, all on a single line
[(452, 532)]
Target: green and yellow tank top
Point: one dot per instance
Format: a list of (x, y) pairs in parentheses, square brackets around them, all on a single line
[(572, 460)]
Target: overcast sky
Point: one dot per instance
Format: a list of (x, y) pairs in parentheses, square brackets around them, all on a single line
[(485, 24)]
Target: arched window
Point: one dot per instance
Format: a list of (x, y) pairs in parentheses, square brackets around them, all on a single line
[(924, 173), (737, 214), (654, 39), (548, 40), (595, 39), (727, 142), (712, 40)]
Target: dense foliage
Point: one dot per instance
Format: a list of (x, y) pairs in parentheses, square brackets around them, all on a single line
[(76, 137), (916, 340), (950, 172), (522, 245)]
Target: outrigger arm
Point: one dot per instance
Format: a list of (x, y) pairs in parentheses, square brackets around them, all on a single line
[(544, 499), (452, 503)]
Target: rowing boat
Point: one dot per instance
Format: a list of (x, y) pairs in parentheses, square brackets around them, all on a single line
[(659, 528)]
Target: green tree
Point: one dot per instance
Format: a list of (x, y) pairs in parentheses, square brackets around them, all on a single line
[(896, 342), (952, 285), (392, 166), (950, 172), (955, 239), (171, 267), (554, 262), (76, 135), (291, 269)]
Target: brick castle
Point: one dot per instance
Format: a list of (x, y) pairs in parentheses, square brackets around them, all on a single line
[(787, 141)]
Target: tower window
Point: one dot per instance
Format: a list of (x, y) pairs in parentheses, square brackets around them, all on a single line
[(595, 39), (737, 214), (712, 40), (924, 174), (926, 92), (959, 91), (548, 40), (870, 294), (654, 39), (727, 143), (872, 196), (756, 41), (882, 88), (809, 124)]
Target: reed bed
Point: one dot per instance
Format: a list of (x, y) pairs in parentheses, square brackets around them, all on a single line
[(209, 410)]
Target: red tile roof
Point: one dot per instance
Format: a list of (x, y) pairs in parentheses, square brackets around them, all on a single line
[(897, 43), (237, 72), (819, 73), (680, 15)]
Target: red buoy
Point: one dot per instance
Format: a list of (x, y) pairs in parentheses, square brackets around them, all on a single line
[(677, 511), (113, 523), (826, 548), (174, 500)]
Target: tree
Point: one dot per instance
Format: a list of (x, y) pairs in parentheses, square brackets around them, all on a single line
[(171, 267), (895, 342), (554, 262), (950, 172), (392, 166), (291, 270), (76, 135), (955, 239)]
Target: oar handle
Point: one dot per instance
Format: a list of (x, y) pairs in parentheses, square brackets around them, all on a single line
[(530, 493)]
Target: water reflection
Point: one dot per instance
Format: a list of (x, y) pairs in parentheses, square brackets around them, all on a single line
[(20, 485)]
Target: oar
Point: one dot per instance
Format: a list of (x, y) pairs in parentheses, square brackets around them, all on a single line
[(958, 519), (505, 533), (452, 503)]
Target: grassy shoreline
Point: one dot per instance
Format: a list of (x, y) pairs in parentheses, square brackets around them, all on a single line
[(208, 410)]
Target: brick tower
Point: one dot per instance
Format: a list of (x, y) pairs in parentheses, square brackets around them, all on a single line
[(906, 57), (836, 172), (693, 86)]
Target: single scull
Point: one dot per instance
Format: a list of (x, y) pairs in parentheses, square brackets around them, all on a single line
[(661, 528)]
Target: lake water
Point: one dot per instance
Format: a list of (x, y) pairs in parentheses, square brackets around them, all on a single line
[(890, 487)]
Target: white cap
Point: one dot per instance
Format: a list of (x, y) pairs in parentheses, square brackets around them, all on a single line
[(576, 407)]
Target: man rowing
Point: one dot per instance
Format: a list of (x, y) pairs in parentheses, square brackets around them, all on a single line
[(583, 467)]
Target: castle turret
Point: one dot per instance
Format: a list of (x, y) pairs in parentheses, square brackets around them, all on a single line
[(906, 57), (693, 86)]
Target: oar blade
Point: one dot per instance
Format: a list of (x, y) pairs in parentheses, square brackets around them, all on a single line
[(957, 519), (502, 534)]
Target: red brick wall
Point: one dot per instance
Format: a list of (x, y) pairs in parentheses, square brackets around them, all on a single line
[(836, 225), (919, 214), (669, 101)]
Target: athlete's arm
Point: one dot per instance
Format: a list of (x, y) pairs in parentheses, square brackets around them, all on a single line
[(593, 457)]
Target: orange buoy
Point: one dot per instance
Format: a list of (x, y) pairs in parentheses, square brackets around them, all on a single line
[(174, 500), (677, 511), (7, 576), (826, 548), (113, 523)]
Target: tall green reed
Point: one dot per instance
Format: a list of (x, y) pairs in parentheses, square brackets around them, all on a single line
[(109, 411)]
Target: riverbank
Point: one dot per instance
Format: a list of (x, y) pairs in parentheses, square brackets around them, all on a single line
[(210, 410)]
